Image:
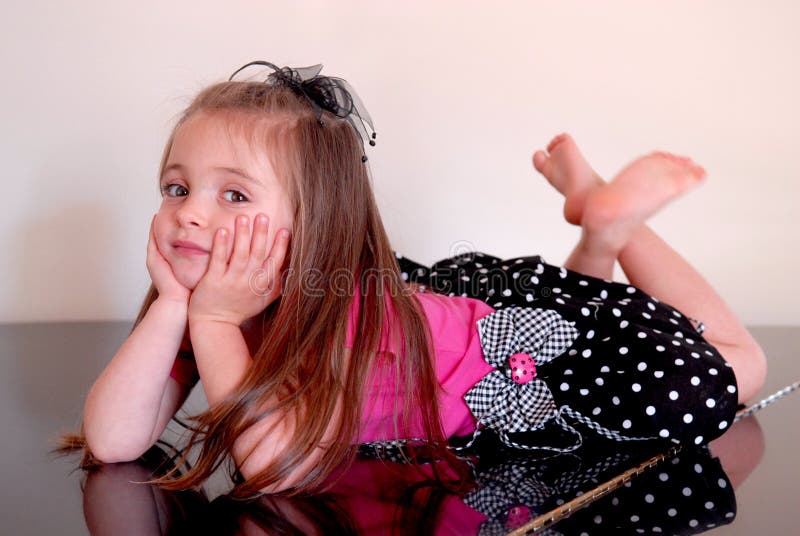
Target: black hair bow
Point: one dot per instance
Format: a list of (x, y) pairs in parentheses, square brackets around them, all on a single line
[(327, 93)]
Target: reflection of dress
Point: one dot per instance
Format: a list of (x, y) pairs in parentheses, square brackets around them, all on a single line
[(607, 356)]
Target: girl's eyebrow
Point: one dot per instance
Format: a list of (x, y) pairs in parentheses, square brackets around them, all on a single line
[(235, 171)]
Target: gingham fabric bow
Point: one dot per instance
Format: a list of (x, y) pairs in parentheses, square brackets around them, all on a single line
[(509, 399)]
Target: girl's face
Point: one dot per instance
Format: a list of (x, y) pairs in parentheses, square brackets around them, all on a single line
[(212, 175)]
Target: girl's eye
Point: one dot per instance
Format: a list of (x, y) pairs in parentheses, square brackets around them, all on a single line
[(173, 190), (235, 196)]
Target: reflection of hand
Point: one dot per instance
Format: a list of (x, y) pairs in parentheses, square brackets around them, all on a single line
[(233, 291), (161, 272)]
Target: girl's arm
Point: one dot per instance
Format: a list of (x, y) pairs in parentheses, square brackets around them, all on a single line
[(222, 360), (134, 398)]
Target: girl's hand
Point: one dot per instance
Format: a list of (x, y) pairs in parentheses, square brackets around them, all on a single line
[(161, 272), (239, 289)]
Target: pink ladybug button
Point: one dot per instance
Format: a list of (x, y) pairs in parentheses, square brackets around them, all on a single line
[(523, 369), (518, 516)]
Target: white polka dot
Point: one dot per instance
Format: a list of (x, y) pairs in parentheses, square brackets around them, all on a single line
[(721, 483), (642, 366), (623, 350), (651, 306), (695, 380), (584, 392), (626, 423), (573, 351), (506, 292), (564, 386), (585, 311), (663, 477), (557, 290), (688, 418), (660, 348), (709, 505), (623, 324), (679, 334), (711, 402), (656, 529), (647, 316), (604, 294), (634, 518), (650, 410), (679, 361), (698, 468), (568, 372), (604, 368), (649, 499), (596, 411), (673, 395), (723, 425), (664, 432), (713, 371), (598, 519), (529, 297), (636, 387), (598, 381), (731, 389), (729, 515), (590, 334), (615, 501), (582, 283), (658, 374), (586, 353), (693, 523), (687, 491), (630, 290), (672, 512), (615, 401), (616, 312), (698, 440), (559, 300), (641, 334), (695, 355), (676, 343)]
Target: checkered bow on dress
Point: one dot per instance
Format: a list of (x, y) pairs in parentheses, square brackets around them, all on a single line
[(497, 401)]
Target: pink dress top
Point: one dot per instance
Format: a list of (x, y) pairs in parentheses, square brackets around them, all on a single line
[(459, 365)]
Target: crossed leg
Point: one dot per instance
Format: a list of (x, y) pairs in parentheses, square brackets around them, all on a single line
[(612, 218)]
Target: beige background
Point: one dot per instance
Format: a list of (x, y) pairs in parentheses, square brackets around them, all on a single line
[(461, 94)]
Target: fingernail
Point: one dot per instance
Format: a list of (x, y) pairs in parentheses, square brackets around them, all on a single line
[(242, 220), (262, 218)]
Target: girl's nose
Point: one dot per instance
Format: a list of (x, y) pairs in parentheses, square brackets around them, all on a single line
[(191, 213)]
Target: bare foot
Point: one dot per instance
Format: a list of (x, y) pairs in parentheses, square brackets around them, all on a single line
[(567, 171), (614, 211)]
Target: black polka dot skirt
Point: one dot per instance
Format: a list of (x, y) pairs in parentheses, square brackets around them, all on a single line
[(607, 358)]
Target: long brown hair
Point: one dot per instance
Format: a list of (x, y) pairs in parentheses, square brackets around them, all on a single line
[(337, 230)]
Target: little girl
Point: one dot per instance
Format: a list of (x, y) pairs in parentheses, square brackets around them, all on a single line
[(310, 346)]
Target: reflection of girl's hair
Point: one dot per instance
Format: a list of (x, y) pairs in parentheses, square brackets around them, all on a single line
[(337, 229)]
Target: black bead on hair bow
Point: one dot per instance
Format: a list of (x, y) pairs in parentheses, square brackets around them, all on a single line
[(327, 93)]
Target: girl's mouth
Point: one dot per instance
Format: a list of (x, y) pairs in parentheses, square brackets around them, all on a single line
[(188, 249)]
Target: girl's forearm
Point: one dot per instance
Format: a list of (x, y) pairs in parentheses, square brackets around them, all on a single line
[(221, 355), (122, 407)]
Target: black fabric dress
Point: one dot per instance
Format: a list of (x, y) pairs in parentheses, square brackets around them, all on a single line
[(632, 368)]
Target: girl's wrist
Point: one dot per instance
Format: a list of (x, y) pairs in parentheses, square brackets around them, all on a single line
[(171, 307)]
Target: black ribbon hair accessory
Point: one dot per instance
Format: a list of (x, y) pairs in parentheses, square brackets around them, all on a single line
[(326, 93)]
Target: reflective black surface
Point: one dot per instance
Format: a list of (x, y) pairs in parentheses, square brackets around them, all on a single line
[(744, 483)]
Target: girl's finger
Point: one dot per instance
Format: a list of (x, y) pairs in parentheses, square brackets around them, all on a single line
[(258, 247), (219, 253), (269, 276), (241, 243)]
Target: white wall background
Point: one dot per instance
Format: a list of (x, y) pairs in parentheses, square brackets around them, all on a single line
[(461, 93)]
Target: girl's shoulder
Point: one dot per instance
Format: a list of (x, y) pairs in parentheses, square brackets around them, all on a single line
[(452, 319)]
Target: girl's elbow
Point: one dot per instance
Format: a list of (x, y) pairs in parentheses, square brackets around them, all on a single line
[(106, 450)]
